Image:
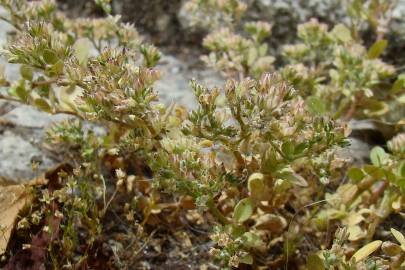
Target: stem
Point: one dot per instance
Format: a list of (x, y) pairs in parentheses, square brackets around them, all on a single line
[(276, 147), (10, 22), (351, 111), (216, 213), (383, 211), (42, 83), (8, 98)]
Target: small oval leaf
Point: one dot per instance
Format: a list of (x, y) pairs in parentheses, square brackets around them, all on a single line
[(378, 156), (243, 210), (26, 72), (81, 49), (50, 57), (377, 49), (355, 174), (342, 33), (43, 105), (316, 105), (314, 262)]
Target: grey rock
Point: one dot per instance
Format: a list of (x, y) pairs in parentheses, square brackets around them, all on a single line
[(26, 116), (301, 10), (358, 152), (174, 85), (17, 156), (373, 131), (12, 70)]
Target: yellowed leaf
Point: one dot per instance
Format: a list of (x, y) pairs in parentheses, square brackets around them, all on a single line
[(347, 192), (271, 222), (353, 218), (365, 251), (399, 236), (355, 233), (257, 188), (12, 201)]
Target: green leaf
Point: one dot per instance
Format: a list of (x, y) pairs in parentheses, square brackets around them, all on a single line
[(374, 171), (43, 105), (21, 92), (401, 183), (365, 251), (57, 68), (263, 49), (390, 176), (270, 161), (378, 156), (374, 107), (251, 240), (235, 230), (401, 170), (377, 49), (105, 5), (243, 210), (251, 56), (50, 57), (398, 85), (342, 33), (300, 148), (316, 105), (26, 72), (288, 148), (314, 262), (247, 259), (355, 174), (293, 178), (81, 50)]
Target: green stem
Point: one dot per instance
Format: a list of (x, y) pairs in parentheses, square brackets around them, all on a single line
[(275, 146), (216, 213)]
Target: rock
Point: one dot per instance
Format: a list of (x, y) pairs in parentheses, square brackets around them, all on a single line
[(358, 152), (11, 70), (286, 14), (398, 19), (16, 157), (372, 131), (174, 85), (27, 116), (156, 19)]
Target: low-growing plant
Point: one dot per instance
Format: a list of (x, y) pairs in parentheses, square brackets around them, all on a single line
[(336, 257), (256, 162), (221, 12), (333, 70), (239, 56), (374, 193), (334, 67)]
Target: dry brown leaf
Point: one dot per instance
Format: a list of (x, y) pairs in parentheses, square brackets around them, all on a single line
[(12, 201), (271, 222), (13, 198)]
